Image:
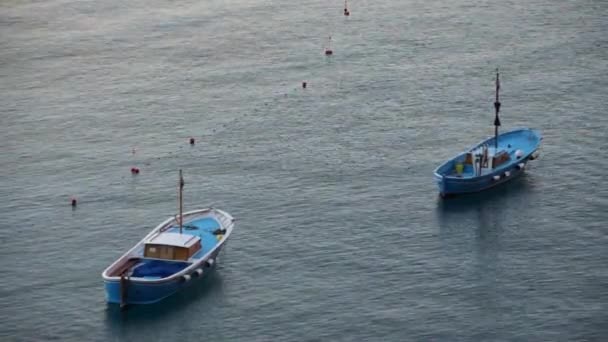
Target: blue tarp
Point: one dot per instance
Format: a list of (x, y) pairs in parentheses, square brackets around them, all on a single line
[(158, 268)]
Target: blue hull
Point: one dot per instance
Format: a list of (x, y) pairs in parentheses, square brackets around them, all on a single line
[(524, 142), (451, 187), (148, 293)]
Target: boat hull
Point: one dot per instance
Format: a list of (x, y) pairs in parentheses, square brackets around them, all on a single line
[(525, 141), (138, 292), (452, 187)]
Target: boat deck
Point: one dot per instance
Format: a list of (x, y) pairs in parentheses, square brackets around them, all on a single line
[(149, 268), (508, 143), (469, 171), (203, 228)]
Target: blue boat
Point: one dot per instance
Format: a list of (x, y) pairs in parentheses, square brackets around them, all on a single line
[(493, 161), (177, 253)]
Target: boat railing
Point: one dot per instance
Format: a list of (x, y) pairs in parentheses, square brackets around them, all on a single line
[(224, 221), (175, 220), (162, 229)]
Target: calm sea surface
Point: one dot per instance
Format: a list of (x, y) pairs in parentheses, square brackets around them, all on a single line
[(340, 234)]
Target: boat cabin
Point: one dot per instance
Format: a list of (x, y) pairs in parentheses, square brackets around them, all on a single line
[(172, 246), (480, 161), (500, 158), (486, 155)]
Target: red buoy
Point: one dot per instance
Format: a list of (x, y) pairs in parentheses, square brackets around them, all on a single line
[(135, 170), (304, 84), (191, 141), (74, 202)]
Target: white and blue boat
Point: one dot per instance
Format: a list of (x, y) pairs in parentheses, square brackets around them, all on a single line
[(174, 255), (493, 161)]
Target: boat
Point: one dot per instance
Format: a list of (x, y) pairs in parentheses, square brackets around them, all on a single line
[(491, 162), (178, 252)]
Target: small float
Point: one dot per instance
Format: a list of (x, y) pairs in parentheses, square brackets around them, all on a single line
[(328, 50), (175, 254), (493, 161)]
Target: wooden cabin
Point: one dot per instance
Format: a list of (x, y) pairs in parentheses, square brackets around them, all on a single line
[(172, 246), (500, 158)]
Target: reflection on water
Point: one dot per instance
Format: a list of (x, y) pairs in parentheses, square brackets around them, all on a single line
[(137, 317), (504, 192), (490, 206), (472, 232), (480, 216)]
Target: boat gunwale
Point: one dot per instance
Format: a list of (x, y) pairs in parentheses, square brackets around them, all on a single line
[(159, 229)]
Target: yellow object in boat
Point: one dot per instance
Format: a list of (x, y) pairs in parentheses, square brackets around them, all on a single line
[(459, 168), (219, 237)]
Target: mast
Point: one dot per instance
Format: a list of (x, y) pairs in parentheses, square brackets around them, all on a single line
[(181, 192), (497, 109)]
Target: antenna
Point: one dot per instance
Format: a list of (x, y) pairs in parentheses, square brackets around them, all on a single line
[(181, 192), (497, 110)]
